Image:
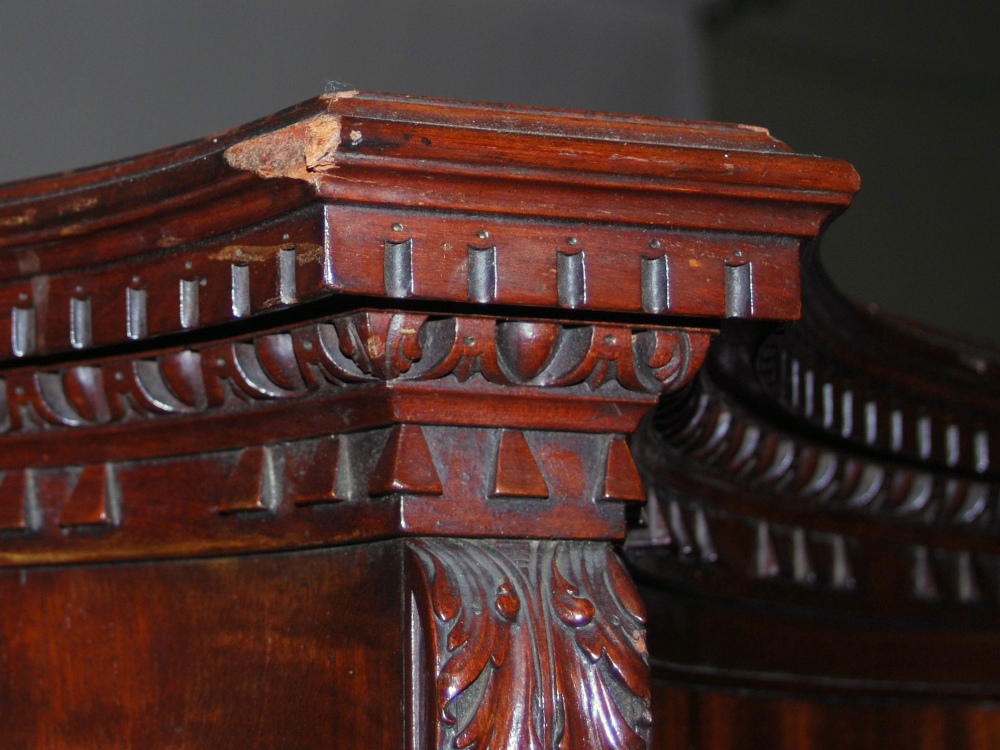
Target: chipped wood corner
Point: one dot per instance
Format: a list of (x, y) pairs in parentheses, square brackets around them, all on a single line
[(336, 96), (303, 150)]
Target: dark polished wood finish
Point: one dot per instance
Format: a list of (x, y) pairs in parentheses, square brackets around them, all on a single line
[(820, 545), (391, 422), (231, 652)]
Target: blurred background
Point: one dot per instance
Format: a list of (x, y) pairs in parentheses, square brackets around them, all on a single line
[(906, 90)]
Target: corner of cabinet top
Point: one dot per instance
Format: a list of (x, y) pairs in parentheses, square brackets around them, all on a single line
[(397, 196)]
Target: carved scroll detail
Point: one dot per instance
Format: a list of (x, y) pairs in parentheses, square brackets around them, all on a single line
[(536, 644)]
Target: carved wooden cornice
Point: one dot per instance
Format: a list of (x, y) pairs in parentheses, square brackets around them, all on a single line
[(820, 469), (421, 334), (885, 385), (395, 285), (315, 402), (634, 214)]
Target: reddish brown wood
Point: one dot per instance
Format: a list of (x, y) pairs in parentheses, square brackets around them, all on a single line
[(517, 633), (517, 473), (822, 533), (621, 477), (311, 471), (724, 720), (318, 433), (289, 650), (94, 500), (405, 465)]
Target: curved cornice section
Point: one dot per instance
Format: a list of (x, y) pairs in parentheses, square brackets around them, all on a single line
[(845, 461), (883, 384)]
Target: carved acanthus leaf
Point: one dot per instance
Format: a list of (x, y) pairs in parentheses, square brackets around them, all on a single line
[(537, 645)]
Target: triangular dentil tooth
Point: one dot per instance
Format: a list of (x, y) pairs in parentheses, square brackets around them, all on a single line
[(517, 473), (621, 477), (406, 465)]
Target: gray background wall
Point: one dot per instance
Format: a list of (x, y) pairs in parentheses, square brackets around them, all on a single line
[(906, 90), (909, 92)]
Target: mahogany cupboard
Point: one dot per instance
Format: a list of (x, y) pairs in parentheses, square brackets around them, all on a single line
[(390, 422)]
